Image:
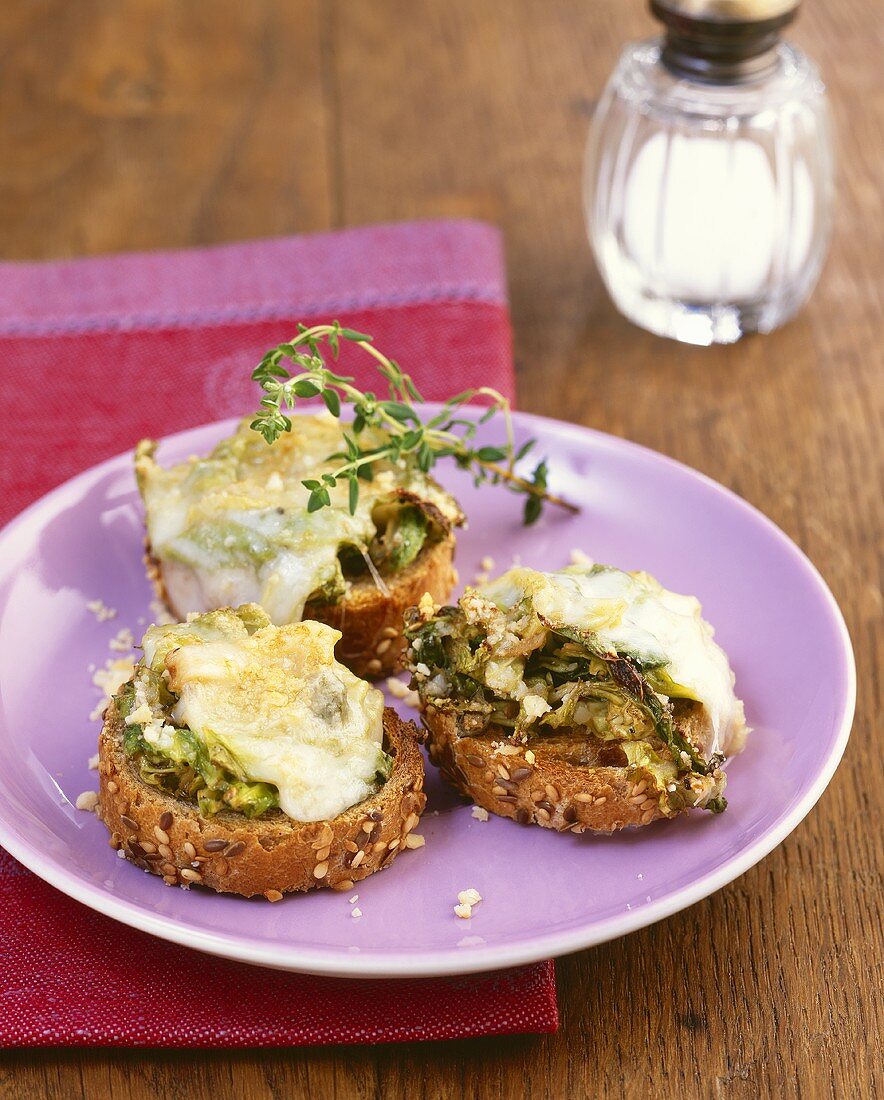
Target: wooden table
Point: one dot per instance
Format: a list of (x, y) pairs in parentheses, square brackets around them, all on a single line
[(134, 124)]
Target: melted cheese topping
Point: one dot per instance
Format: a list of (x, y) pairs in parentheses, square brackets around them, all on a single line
[(234, 528), (279, 706), (632, 613)]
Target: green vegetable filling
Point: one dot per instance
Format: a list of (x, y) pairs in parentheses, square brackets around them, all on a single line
[(186, 770), (577, 684), (402, 538)]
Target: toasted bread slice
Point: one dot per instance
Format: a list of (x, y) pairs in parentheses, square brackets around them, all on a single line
[(370, 620), (271, 855), (568, 783)]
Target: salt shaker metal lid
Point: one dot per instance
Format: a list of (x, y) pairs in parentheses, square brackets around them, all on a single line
[(730, 11), (722, 41)]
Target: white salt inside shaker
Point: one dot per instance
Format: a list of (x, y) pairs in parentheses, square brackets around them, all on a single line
[(700, 216)]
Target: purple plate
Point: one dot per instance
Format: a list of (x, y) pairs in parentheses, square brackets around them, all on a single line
[(544, 894)]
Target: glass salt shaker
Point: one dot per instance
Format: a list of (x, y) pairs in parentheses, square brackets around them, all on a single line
[(708, 175)]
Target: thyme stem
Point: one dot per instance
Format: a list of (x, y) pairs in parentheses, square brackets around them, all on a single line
[(409, 437)]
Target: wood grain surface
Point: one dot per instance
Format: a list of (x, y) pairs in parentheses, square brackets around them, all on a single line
[(145, 123)]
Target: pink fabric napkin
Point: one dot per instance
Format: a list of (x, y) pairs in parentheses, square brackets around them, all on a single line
[(102, 352), (112, 349)]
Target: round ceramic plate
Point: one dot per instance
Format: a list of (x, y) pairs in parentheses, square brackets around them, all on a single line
[(544, 893)]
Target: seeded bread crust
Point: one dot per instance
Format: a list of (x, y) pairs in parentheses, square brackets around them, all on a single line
[(369, 620), (546, 791), (272, 855)]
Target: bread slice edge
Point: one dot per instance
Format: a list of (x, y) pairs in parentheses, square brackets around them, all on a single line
[(531, 787)]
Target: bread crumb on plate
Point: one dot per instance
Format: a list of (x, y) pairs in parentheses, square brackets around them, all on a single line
[(123, 641), (400, 690), (100, 610), (87, 801), (116, 671), (467, 900), (397, 688)]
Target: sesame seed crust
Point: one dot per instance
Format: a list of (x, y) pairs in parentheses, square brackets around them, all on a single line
[(540, 788), (272, 855)]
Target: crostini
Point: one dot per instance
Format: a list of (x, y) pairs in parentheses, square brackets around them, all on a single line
[(236, 527), (587, 698), (243, 757)]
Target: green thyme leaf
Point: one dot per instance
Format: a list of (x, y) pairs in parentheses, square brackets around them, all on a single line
[(532, 510), (295, 370), (319, 498), (492, 454), (399, 411), (332, 402), (305, 388)]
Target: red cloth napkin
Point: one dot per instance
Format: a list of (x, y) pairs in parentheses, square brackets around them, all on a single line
[(101, 352)]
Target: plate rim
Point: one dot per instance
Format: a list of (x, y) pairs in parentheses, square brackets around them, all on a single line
[(456, 961)]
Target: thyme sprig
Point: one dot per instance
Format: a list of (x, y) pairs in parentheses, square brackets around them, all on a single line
[(406, 435)]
